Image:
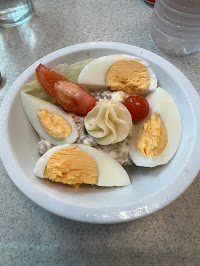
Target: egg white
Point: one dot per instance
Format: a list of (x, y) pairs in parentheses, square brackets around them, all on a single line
[(160, 102), (31, 105), (93, 74), (111, 173)]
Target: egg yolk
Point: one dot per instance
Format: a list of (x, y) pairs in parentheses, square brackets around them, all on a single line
[(54, 125), (72, 166), (127, 75), (152, 137)]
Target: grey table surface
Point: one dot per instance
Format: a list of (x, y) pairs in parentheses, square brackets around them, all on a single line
[(30, 235)]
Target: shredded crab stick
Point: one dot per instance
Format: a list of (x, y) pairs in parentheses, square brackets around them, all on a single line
[(68, 94)]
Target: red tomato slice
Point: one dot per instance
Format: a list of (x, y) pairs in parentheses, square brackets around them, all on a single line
[(68, 94)]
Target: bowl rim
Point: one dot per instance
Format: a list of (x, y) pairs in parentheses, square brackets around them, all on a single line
[(101, 215)]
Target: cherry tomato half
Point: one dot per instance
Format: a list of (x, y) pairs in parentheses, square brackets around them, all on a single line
[(138, 106), (68, 94)]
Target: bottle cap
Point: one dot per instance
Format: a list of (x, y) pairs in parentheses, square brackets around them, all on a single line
[(152, 2)]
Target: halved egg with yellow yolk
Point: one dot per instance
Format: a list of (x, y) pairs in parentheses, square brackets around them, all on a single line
[(119, 72), (76, 164), (49, 121), (155, 139)]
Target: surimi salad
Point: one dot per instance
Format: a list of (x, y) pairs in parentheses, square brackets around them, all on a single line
[(98, 115)]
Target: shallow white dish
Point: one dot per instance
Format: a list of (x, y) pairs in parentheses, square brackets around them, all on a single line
[(151, 189)]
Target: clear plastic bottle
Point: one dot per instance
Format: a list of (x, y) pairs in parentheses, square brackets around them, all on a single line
[(175, 26)]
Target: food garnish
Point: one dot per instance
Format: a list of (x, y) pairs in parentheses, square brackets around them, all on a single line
[(138, 106), (109, 122), (67, 94)]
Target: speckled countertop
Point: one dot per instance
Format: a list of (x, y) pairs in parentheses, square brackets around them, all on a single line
[(30, 235)]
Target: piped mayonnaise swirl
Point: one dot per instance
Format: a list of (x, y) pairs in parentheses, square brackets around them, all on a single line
[(108, 122)]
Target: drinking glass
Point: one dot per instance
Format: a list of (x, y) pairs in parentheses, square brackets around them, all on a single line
[(15, 12)]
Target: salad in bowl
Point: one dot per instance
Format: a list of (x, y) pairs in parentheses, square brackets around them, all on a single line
[(101, 132), (96, 116)]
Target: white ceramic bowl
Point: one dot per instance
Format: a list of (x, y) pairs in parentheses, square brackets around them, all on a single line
[(151, 189)]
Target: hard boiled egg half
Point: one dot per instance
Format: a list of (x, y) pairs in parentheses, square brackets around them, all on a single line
[(156, 139), (119, 72), (75, 164), (49, 121)]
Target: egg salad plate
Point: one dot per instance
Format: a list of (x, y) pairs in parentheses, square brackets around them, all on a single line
[(101, 132)]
